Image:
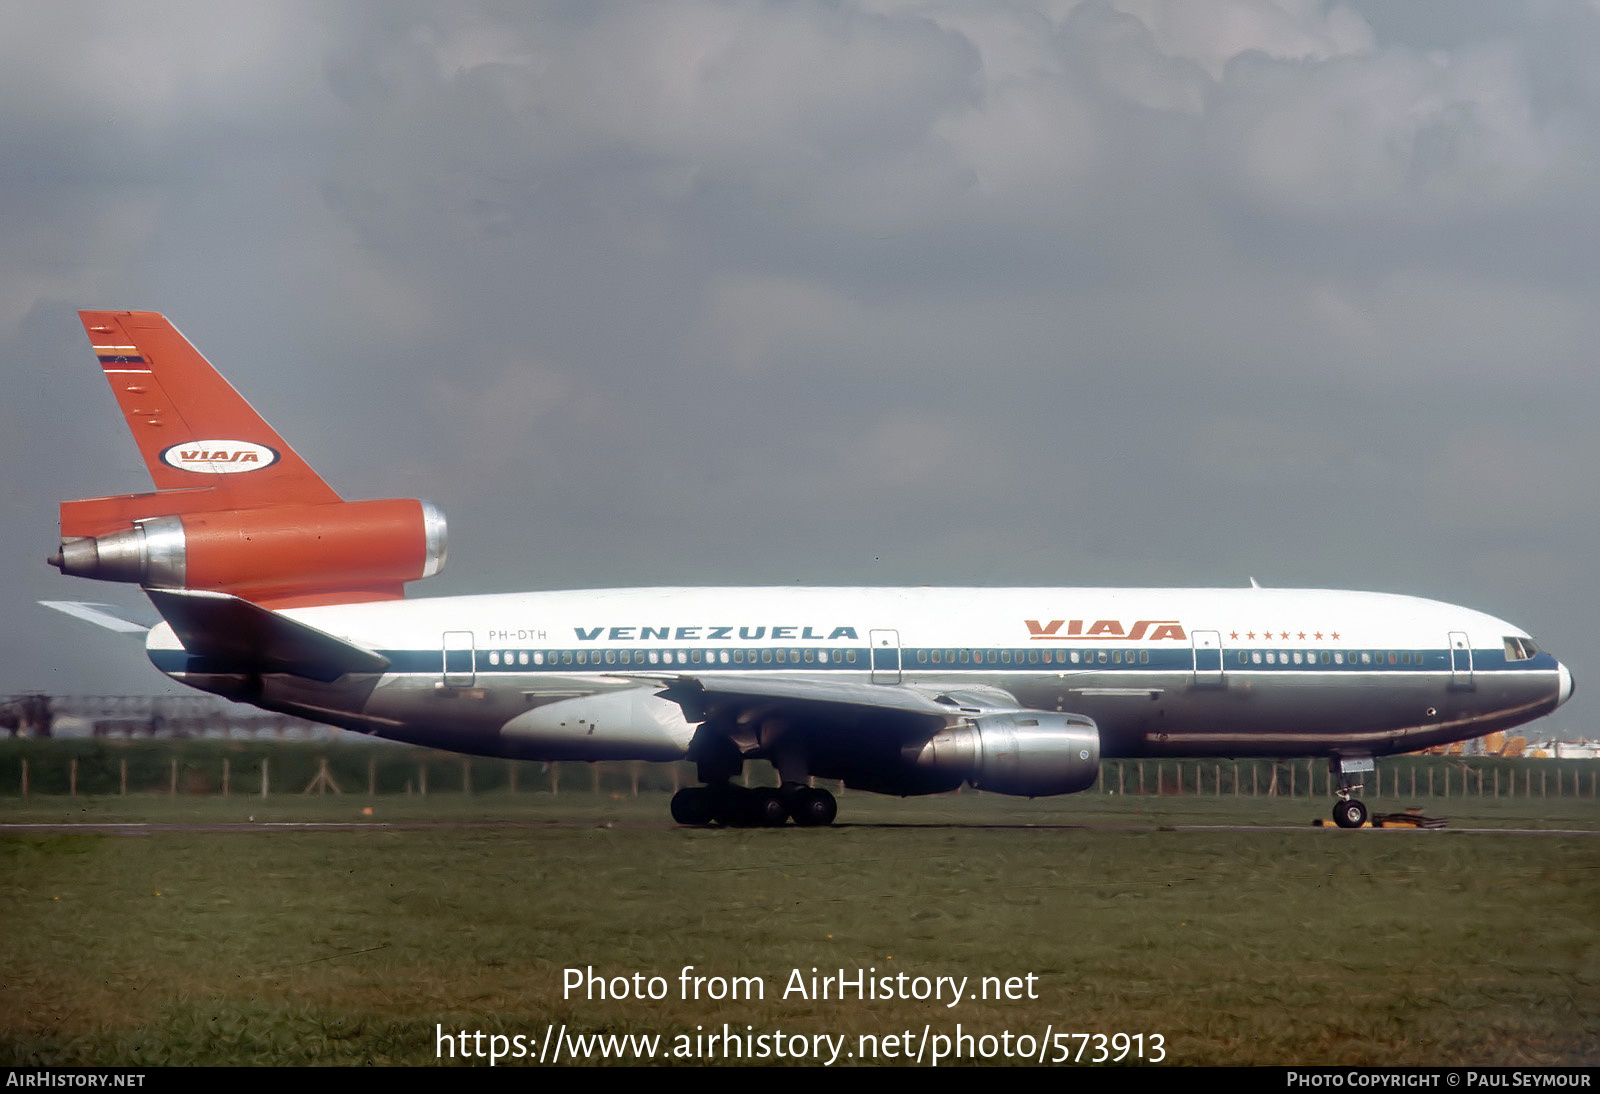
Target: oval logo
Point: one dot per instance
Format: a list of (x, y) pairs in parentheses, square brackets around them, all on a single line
[(218, 457)]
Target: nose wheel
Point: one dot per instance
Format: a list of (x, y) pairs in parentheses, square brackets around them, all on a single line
[(1350, 813)]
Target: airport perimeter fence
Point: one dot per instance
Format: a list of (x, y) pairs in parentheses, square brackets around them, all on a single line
[(63, 767)]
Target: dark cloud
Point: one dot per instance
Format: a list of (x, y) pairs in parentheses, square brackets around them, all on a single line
[(899, 291)]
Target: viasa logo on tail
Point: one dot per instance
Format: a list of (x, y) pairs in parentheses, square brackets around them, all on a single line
[(218, 457), (1106, 630)]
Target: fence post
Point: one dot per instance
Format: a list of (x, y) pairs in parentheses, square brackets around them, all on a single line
[(265, 779), (72, 778), (224, 776), (24, 776), (173, 792)]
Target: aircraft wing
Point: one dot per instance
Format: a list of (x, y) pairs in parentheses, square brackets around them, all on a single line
[(738, 697)]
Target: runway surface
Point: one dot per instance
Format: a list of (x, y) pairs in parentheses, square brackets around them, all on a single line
[(143, 828)]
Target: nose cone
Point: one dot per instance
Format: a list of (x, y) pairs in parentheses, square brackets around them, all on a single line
[(1564, 685)]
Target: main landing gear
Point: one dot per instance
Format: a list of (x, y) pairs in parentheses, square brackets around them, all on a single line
[(753, 807), (1348, 812)]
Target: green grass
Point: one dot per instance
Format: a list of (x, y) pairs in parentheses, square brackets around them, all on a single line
[(1261, 947)]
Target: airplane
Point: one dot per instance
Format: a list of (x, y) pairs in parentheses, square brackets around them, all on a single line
[(276, 591)]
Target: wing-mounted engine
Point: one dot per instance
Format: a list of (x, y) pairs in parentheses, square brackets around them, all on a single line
[(1029, 753), (282, 555)]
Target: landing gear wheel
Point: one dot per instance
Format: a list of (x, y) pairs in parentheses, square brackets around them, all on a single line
[(692, 805), (730, 806), (1350, 814), (766, 808), (813, 807)]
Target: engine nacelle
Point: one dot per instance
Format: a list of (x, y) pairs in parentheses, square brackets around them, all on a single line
[(364, 548), (1028, 753)]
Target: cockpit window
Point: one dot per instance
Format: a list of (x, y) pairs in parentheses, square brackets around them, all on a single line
[(1519, 649)]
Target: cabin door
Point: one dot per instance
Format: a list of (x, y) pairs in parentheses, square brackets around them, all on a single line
[(459, 657), (1460, 660), (885, 656), (1208, 658)]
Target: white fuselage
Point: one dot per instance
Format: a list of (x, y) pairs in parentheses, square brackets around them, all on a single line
[(582, 674)]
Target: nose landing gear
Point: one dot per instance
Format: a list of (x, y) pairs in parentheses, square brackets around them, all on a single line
[(1348, 812)]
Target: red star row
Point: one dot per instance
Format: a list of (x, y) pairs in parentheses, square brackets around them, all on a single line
[(1267, 635)]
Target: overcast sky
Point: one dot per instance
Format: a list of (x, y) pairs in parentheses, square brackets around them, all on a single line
[(1144, 292)]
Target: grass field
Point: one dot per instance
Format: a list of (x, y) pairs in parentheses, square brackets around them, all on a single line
[(1260, 947)]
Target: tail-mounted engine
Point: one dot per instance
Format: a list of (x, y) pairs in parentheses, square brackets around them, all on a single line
[(283, 555), (1027, 753)]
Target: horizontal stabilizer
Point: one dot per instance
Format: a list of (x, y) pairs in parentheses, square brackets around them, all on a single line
[(234, 635), (101, 615)]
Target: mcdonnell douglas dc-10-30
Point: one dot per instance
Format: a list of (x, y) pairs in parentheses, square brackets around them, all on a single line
[(278, 592)]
